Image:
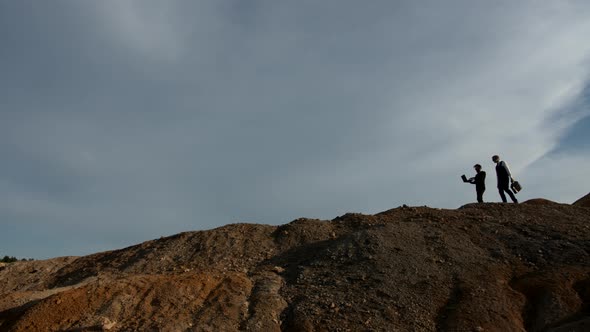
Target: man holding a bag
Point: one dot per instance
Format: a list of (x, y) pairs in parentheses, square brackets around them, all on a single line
[(504, 179)]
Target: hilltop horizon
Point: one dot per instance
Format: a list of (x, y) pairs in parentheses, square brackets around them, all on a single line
[(582, 202)]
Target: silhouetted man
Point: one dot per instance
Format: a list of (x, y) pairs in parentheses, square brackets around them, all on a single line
[(504, 179), (479, 181)]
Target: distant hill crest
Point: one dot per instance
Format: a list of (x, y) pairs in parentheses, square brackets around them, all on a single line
[(584, 201)]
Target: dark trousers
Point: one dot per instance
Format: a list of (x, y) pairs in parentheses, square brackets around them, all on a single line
[(504, 188), (480, 195)]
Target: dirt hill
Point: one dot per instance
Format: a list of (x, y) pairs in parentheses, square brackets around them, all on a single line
[(584, 201), (483, 267)]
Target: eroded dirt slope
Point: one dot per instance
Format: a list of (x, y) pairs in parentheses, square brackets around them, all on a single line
[(488, 267), (584, 201)]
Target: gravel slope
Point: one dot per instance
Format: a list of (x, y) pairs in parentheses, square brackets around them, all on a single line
[(483, 267)]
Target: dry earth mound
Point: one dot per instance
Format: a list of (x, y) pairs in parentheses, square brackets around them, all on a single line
[(483, 267), (584, 201), (539, 201)]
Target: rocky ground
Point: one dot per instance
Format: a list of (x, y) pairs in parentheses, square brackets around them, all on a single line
[(584, 201), (483, 267)]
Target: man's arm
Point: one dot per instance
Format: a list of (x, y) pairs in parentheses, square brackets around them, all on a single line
[(505, 165), (479, 178)]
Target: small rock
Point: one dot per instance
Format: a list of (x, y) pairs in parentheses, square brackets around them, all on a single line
[(278, 269), (107, 324)]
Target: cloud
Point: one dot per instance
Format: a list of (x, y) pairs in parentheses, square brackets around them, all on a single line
[(149, 27), (171, 116), (559, 177)]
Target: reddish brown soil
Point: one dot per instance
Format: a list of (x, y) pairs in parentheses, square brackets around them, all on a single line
[(483, 267)]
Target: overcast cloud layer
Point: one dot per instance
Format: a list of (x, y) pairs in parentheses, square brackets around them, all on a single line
[(122, 121)]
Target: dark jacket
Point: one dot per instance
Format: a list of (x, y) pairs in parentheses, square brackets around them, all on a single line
[(503, 174), (479, 180)]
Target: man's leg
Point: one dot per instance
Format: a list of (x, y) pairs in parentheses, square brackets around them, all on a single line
[(514, 200), (501, 190), (480, 196)]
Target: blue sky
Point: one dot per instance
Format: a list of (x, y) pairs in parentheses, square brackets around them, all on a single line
[(123, 121)]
